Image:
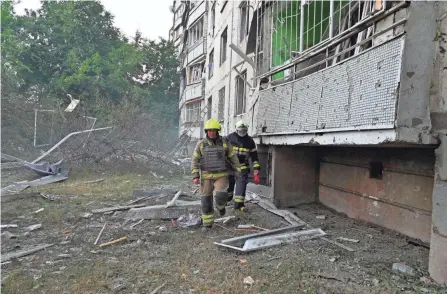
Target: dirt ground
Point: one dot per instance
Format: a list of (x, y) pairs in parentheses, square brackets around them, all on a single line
[(187, 260)]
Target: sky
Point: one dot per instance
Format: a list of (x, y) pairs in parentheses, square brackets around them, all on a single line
[(151, 17)]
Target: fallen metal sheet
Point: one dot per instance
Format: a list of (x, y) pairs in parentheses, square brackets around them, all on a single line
[(287, 215), (271, 238), (163, 213), (47, 180), (45, 168), (21, 253)]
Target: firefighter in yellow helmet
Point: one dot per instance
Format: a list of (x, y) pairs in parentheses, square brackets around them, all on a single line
[(210, 159)]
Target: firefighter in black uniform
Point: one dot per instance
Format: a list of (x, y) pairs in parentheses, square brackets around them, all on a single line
[(244, 146)]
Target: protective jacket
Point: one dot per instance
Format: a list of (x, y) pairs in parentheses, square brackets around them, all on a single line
[(245, 147), (211, 157)]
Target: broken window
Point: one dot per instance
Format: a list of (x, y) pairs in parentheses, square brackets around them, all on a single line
[(243, 29), (195, 74), (221, 104), (192, 112), (211, 64), (196, 32), (209, 107), (298, 26), (223, 46), (241, 93)]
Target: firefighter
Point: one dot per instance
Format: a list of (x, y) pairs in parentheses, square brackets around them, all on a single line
[(210, 158), (245, 147)]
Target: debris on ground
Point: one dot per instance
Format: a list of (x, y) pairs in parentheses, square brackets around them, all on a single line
[(137, 223), (178, 209), (338, 244), (249, 281), (8, 226), (152, 192), (321, 217), (53, 197), (189, 221), (224, 220), (94, 181), (403, 268), (21, 253), (158, 288), (348, 240), (34, 227), (100, 233), (163, 229), (270, 238), (17, 196), (243, 261), (172, 202), (116, 208), (113, 242), (87, 215), (9, 235), (46, 168), (39, 210)]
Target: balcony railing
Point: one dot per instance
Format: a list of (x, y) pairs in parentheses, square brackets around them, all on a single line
[(191, 92)]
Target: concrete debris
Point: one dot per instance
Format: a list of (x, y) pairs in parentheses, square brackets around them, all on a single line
[(287, 215), (320, 217), (163, 229), (117, 208), (8, 226), (9, 235), (152, 192), (39, 210), (138, 200), (249, 281), (224, 220), (348, 240), (403, 268), (113, 242), (155, 291), (155, 175), (270, 238), (243, 261), (53, 197), (21, 253), (87, 215), (172, 202), (64, 256), (137, 223), (162, 213), (338, 244), (34, 227), (333, 259), (94, 181), (100, 233), (189, 221)]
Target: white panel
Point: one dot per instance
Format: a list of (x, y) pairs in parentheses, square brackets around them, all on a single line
[(195, 52), (357, 94), (196, 13)]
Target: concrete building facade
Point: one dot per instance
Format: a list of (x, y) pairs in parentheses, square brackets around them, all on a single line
[(346, 101)]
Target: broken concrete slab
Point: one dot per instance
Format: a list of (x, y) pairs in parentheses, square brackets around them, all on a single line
[(163, 213), (270, 238), (257, 191), (47, 180), (152, 192), (21, 253)]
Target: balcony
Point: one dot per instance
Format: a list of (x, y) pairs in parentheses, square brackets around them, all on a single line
[(359, 94), (195, 13), (191, 92), (194, 52)]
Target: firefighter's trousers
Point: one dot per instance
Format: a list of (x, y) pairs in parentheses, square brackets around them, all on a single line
[(208, 189), (237, 187)]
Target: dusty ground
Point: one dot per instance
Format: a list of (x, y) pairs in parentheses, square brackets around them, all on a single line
[(186, 260)]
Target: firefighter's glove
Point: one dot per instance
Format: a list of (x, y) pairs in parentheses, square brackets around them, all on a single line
[(196, 181)]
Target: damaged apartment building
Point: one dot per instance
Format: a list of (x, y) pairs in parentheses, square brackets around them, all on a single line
[(347, 101)]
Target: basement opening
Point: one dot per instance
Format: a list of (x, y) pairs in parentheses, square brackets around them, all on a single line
[(375, 170)]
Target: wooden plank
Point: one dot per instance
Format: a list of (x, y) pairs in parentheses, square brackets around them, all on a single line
[(21, 253)]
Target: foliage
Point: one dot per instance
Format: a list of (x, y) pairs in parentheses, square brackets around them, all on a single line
[(73, 48)]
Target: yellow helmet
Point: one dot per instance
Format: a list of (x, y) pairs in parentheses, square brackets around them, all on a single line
[(212, 124)]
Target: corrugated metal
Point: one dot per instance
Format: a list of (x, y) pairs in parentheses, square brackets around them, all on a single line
[(359, 93)]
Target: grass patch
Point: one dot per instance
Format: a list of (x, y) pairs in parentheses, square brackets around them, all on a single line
[(18, 282)]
